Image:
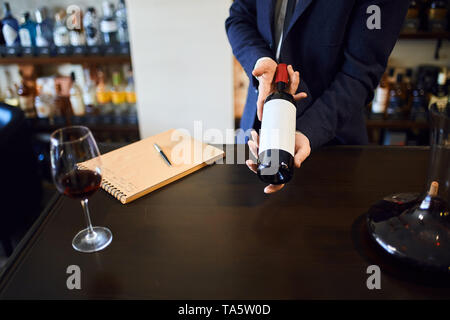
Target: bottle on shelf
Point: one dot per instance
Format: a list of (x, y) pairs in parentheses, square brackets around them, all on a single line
[(108, 25), (91, 27), (44, 28), (412, 20), (131, 94), (103, 94), (63, 107), (419, 103), (437, 16), (11, 96), (118, 94), (391, 77), (43, 104), (89, 94), (122, 24), (26, 99), (61, 33), (76, 33), (396, 106), (277, 140), (27, 31), (10, 27), (76, 97), (408, 85), (439, 94), (381, 98)]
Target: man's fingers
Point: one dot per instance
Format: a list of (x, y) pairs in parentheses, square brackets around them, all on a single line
[(271, 188), (255, 137), (300, 156), (253, 148), (294, 80), (264, 91), (300, 96), (251, 165)]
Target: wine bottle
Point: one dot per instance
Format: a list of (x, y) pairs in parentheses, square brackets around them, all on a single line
[(10, 27), (76, 97), (277, 140)]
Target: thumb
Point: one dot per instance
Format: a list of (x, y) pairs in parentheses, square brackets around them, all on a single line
[(258, 71), (300, 156)]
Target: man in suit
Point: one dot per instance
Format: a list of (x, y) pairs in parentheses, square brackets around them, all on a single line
[(333, 44)]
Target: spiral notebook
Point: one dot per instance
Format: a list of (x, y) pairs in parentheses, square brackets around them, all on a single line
[(137, 169)]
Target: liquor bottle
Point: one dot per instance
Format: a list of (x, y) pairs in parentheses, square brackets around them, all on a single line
[(277, 141), (26, 99), (10, 27), (122, 24), (408, 86), (412, 19), (437, 16), (131, 94), (27, 31), (42, 104), (89, 94), (76, 98), (391, 77), (395, 109), (108, 25), (419, 103), (103, 94), (62, 104), (439, 94), (76, 33), (61, 34), (44, 28), (91, 27), (381, 98), (118, 94), (11, 97)]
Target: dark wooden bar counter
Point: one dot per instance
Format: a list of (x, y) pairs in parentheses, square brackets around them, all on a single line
[(216, 235)]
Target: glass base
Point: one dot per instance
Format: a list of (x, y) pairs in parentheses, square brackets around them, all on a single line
[(84, 242), (416, 231)]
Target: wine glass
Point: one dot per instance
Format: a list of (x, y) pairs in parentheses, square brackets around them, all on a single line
[(71, 148)]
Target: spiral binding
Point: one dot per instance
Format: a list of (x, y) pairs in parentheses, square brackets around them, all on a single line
[(109, 187)]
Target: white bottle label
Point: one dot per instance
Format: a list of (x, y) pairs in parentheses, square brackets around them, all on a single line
[(278, 126), (108, 26), (25, 38), (9, 34)]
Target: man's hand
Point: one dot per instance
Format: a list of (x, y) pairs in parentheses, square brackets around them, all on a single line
[(302, 151), (264, 71), (302, 145)]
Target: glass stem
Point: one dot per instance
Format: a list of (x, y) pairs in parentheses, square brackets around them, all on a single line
[(91, 234)]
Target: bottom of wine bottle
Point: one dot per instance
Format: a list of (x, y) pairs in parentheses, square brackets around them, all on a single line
[(275, 166)]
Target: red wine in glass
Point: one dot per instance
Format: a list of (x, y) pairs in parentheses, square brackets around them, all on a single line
[(70, 149), (80, 184)]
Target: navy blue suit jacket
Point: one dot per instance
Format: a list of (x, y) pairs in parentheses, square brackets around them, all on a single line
[(339, 58)]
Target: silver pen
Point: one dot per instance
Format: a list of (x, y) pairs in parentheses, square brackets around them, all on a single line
[(162, 154)]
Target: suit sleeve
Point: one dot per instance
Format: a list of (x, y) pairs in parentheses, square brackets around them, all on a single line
[(247, 43), (366, 53)]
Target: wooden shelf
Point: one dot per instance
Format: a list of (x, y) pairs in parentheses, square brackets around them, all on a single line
[(422, 35), (396, 124), (74, 59)]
